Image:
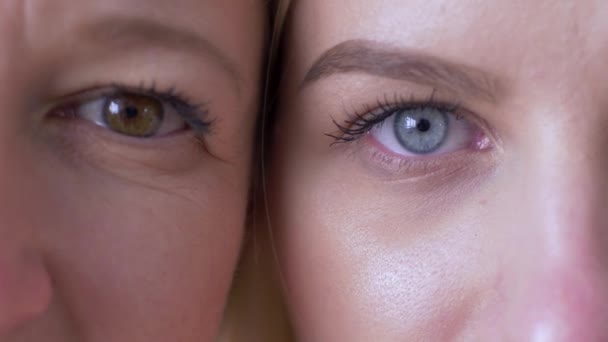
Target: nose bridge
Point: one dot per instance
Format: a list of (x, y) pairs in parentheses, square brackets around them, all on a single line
[(567, 186), (560, 190), (25, 284), (14, 67), (554, 280), (11, 31)]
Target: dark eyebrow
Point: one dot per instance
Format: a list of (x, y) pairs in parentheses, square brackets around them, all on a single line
[(386, 61), (131, 33)]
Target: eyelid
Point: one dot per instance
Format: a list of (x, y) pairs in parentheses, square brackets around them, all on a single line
[(195, 115), (461, 134), (391, 166), (360, 122), (93, 110), (354, 140)]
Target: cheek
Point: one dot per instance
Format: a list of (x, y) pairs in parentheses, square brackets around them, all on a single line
[(364, 261), (150, 260)]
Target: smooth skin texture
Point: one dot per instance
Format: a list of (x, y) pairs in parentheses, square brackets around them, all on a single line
[(107, 237), (503, 239)]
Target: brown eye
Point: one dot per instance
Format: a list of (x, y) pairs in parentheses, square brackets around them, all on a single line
[(140, 114), (133, 114)]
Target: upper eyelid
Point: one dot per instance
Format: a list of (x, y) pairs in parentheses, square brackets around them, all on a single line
[(128, 32), (360, 122), (93, 92), (195, 115)]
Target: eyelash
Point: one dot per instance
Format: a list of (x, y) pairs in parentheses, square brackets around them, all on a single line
[(359, 123), (195, 115)]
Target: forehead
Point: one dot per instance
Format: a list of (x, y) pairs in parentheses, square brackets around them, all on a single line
[(186, 11), (149, 6), (43, 28), (225, 18), (473, 32), (419, 20)]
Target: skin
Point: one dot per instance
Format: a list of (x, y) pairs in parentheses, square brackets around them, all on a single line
[(505, 242), (105, 237)]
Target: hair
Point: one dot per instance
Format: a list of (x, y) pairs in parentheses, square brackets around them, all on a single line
[(255, 310)]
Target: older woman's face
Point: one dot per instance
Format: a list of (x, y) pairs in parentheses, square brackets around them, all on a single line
[(463, 193), (124, 150)]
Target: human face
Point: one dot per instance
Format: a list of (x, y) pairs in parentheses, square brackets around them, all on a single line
[(463, 194), (125, 151)]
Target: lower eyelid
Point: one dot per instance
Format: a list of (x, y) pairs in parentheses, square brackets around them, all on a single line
[(89, 132), (92, 99), (461, 135), (475, 151), (390, 166), (71, 124), (81, 143)]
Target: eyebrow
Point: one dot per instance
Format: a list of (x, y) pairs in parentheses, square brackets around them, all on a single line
[(363, 56), (123, 32)]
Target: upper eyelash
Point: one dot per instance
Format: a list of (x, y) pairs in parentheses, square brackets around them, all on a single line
[(360, 123), (194, 114)]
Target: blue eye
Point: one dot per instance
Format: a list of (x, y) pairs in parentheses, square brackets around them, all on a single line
[(424, 130), (421, 130)]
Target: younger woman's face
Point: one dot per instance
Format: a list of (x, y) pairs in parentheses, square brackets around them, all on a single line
[(440, 168), (125, 139)]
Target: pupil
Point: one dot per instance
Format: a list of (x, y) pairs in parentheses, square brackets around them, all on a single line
[(423, 125), (131, 112)]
